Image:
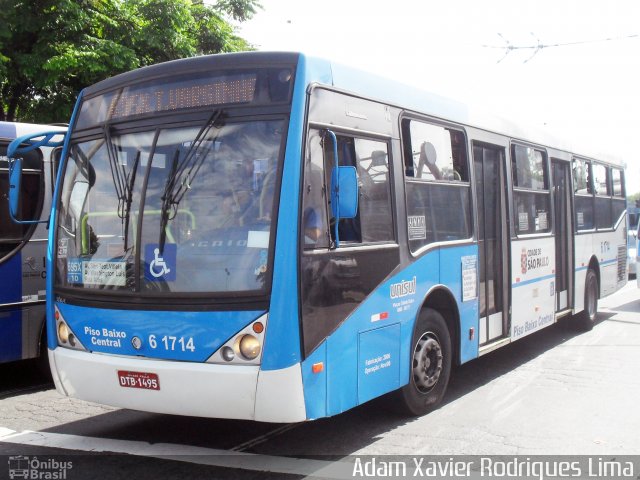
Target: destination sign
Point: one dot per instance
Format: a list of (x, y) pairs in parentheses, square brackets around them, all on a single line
[(175, 96), (165, 95)]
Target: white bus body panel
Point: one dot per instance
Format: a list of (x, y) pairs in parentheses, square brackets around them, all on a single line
[(608, 248), (533, 263), (279, 396), (195, 389)]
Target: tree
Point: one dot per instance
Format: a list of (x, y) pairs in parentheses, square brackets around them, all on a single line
[(51, 49)]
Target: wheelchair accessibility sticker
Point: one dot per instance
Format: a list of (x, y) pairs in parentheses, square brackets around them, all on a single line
[(160, 266)]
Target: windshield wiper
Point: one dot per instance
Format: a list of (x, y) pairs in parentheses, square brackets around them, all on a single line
[(118, 174), (131, 180), (167, 201), (174, 191), (123, 183)]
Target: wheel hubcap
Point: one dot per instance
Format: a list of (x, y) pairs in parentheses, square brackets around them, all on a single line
[(427, 362)]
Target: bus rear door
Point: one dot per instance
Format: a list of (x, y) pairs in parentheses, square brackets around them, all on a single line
[(563, 233)]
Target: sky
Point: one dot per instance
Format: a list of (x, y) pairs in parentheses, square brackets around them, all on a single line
[(587, 93)]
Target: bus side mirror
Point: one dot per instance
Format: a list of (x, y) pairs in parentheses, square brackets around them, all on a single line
[(21, 146), (344, 192), (15, 180)]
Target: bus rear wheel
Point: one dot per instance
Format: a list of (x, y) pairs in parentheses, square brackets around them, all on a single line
[(42, 362), (587, 318), (430, 366)]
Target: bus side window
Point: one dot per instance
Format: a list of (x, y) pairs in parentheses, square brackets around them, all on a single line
[(373, 222), (618, 202), (348, 228), (437, 183), (584, 202), (314, 198), (531, 193), (375, 201), (56, 158), (13, 234), (603, 192)]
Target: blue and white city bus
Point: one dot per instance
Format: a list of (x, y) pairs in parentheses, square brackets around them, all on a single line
[(23, 247), (275, 237)]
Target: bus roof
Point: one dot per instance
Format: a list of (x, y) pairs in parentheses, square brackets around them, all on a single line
[(343, 77), (11, 130), (421, 101)]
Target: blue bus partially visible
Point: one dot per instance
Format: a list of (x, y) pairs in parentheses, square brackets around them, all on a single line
[(23, 247)]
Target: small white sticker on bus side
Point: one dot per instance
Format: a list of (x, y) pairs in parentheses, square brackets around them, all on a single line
[(469, 277)]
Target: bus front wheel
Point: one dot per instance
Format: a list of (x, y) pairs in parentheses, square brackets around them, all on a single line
[(587, 318), (430, 365)]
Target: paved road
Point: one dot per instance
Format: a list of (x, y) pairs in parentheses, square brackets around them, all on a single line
[(557, 391)]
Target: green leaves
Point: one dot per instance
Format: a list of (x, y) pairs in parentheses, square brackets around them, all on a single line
[(51, 49)]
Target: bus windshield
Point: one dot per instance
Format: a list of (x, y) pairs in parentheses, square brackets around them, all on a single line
[(183, 209)]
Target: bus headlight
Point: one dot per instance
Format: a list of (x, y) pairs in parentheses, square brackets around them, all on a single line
[(245, 347), (63, 333), (249, 347), (227, 353), (66, 337)]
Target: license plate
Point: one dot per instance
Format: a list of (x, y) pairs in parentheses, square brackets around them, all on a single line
[(148, 381)]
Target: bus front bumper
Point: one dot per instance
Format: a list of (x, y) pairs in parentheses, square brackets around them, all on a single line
[(194, 389)]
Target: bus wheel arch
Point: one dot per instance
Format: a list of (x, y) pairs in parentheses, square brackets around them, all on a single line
[(443, 301), (433, 353)]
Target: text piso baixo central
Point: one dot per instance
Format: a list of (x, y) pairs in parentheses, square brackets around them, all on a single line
[(109, 338), (112, 338)]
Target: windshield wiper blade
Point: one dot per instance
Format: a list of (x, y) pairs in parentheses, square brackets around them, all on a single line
[(118, 176), (174, 191), (167, 201), (131, 180)]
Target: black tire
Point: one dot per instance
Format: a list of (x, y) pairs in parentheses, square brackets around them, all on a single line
[(42, 362), (586, 319), (431, 356)]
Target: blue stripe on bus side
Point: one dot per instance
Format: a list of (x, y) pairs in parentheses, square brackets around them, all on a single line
[(11, 320), (603, 262), (282, 344), (11, 279), (10, 335), (533, 280)]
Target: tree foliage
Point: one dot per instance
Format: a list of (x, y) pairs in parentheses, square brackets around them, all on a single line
[(51, 49)]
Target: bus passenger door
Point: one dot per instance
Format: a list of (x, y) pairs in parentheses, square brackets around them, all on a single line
[(493, 242), (563, 228)]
